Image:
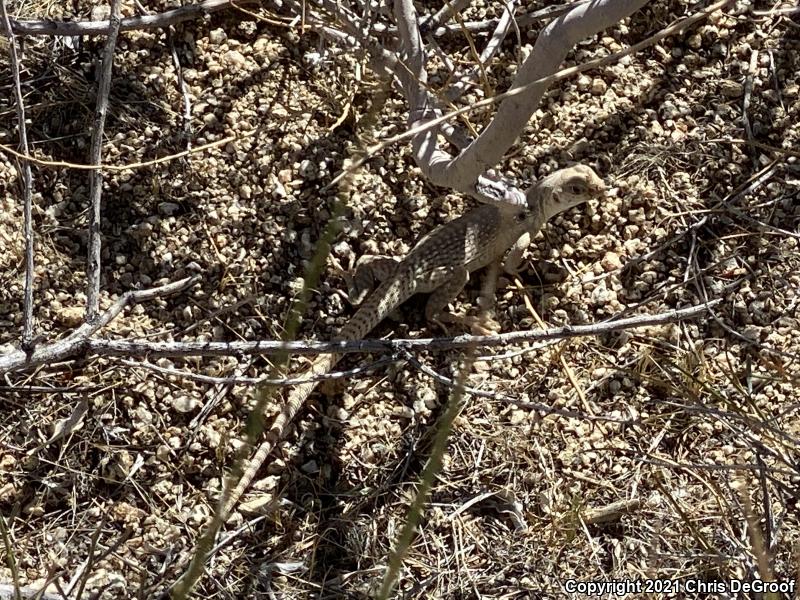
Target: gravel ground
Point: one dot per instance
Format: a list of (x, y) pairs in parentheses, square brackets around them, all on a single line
[(693, 426)]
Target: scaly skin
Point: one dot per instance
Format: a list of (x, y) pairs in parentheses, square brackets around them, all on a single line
[(439, 264)]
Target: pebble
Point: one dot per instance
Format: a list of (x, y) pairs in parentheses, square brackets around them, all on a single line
[(234, 58), (217, 36), (611, 262)]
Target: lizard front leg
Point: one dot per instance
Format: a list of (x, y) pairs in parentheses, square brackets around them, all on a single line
[(513, 261), (547, 271)]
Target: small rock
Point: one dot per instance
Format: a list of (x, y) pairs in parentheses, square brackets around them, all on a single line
[(183, 403), (584, 82), (168, 208), (611, 262), (518, 416), (296, 285), (308, 170), (656, 128), (279, 191), (310, 467), (143, 415), (731, 89), (140, 230), (257, 505), (218, 36), (601, 295), (404, 412), (101, 13), (599, 87), (234, 58), (752, 333), (71, 316), (636, 216)]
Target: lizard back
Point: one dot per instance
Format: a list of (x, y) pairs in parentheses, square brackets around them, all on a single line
[(472, 240)]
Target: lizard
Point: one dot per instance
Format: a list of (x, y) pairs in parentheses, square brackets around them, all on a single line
[(439, 264)]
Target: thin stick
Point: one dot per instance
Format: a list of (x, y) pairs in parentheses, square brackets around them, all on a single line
[(81, 340), (24, 168), (187, 101), (132, 166), (80, 28), (96, 177)]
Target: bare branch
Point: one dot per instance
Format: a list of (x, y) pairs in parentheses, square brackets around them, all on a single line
[(551, 47), (80, 341), (480, 194), (96, 176), (414, 77), (165, 19), (24, 168), (76, 341)]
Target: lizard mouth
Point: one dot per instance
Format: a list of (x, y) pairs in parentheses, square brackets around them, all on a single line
[(597, 190)]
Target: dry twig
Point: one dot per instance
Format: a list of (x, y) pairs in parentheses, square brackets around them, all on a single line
[(96, 176), (81, 28), (24, 168), (81, 340)]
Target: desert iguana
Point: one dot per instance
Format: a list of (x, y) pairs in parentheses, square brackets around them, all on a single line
[(439, 264)]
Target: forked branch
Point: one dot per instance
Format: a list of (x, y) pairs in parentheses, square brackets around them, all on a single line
[(463, 172)]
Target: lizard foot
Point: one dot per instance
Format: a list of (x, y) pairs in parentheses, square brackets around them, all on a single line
[(483, 325), (550, 272)]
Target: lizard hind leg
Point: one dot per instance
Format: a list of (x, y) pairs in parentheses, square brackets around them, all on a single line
[(370, 269), (442, 295), (435, 310)]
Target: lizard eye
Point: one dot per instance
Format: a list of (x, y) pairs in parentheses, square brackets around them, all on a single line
[(577, 189), (520, 216)]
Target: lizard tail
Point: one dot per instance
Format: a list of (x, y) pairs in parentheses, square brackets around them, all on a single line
[(276, 432)]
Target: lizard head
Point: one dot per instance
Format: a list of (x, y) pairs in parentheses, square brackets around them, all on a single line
[(566, 188)]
